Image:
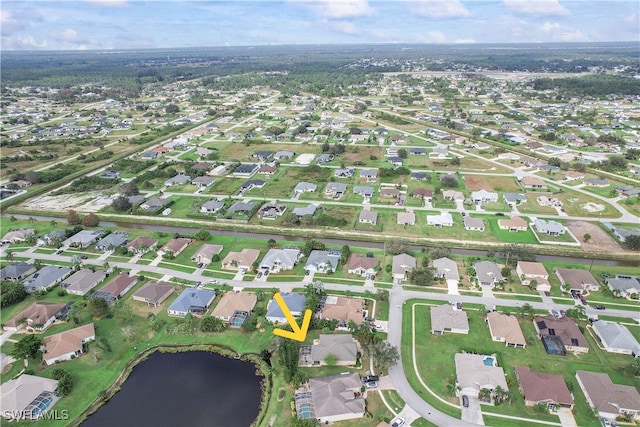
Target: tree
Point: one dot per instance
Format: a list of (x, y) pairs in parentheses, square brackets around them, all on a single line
[(129, 189), (365, 335), (485, 395), (313, 245), (202, 235), (453, 388), (635, 367), (314, 292), (171, 109), (382, 295), (449, 180), (384, 355), (331, 359), (455, 161), (272, 243), (402, 153), (121, 204), (72, 217), (506, 272), (577, 313), (11, 293), (633, 242), (212, 324), (554, 161), (91, 220), (98, 307), (27, 347), (526, 311), (421, 276), (500, 395), (586, 237), (288, 355), (345, 253), (515, 252), (65, 382)]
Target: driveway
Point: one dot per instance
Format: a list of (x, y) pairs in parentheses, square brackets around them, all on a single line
[(566, 417), (473, 413)]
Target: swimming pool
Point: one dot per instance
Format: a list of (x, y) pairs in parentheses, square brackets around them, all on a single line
[(489, 361)]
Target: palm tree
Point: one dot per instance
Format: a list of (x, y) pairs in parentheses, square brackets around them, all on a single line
[(453, 389), (485, 395)]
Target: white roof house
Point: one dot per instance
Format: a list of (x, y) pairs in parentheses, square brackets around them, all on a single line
[(442, 220), (280, 259), (616, 338)]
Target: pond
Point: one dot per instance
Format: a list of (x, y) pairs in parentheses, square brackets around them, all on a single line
[(194, 388)]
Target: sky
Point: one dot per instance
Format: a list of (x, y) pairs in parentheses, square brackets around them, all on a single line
[(133, 24)]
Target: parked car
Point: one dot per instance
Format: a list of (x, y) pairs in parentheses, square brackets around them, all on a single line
[(213, 281), (369, 319), (583, 301), (500, 213), (465, 400), (306, 272), (397, 422), (259, 275), (58, 252), (378, 327), (370, 378), (371, 384), (84, 257), (605, 422), (201, 265), (599, 307), (464, 214)]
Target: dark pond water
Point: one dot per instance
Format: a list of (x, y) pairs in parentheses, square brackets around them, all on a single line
[(194, 388)]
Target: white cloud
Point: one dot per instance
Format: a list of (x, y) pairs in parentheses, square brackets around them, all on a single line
[(433, 37), (572, 36), (71, 36), (15, 20), (550, 26), (338, 9), (108, 3), (537, 7), (345, 27), (438, 9), (22, 43), (465, 41)]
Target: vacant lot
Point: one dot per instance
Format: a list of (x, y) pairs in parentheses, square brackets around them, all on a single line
[(599, 240), (491, 183)]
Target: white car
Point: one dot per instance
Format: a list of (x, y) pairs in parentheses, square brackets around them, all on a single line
[(397, 422)]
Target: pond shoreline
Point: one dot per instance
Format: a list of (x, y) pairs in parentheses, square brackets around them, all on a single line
[(262, 370)]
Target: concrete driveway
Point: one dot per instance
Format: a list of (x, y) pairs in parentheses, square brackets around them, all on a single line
[(473, 413)]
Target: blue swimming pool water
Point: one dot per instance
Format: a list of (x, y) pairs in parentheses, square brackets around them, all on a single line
[(489, 361)]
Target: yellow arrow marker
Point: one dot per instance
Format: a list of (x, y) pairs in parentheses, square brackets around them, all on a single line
[(299, 332)]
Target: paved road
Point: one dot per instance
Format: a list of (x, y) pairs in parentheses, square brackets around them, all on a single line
[(398, 296)]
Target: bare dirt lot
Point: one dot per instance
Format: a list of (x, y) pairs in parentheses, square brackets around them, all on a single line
[(84, 202), (599, 240), (491, 183)]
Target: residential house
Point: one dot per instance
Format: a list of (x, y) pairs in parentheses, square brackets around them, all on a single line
[(235, 305), (36, 317), (241, 261), (395, 161), (447, 269), (531, 182), (626, 286), (154, 204), (423, 193), (473, 374), (487, 273), (513, 224), (280, 259), (571, 175), (364, 191), (18, 236), (514, 198), (401, 266), (473, 224), (528, 271), (116, 288), (283, 155), (505, 328), (420, 176), (241, 208), (369, 174), (363, 266), (447, 318), (304, 187), (53, 238), (406, 218), (330, 399), (177, 180), (560, 335), (389, 192), (83, 238), (551, 228), (68, 344), (295, 303), (271, 211), (45, 278), (552, 202), (419, 151), (324, 158), (82, 281), (212, 206), (443, 219), (26, 397), (335, 189), (343, 309), (267, 169), (596, 182), (263, 156), (483, 196), (203, 181), (616, 338), (16, 271), (323, 261), (343, 347), (368, 217), (141, 244), (343, 173), (580, 281), (251, 184), (112, 241), (194, 301), (542, 388), (452, 195), (206, 253), (245, 170), (307, 210), (202, 166), (175, 246), (611, 400), (153, 293)]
